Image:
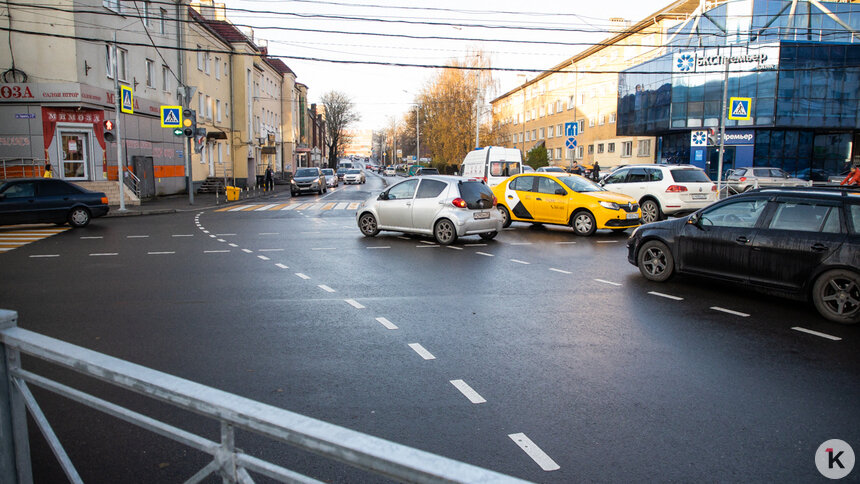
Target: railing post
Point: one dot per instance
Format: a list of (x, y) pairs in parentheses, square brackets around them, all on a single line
[(14, 441)]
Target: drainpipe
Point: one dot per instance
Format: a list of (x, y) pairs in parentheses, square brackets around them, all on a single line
[(232, 127)]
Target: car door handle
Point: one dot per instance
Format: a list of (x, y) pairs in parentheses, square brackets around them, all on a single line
[(511, 197), (742, 240), (538, 199), (408, 204), (819, 247)]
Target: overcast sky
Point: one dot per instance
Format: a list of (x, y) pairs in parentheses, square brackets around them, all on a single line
[(383, 92)]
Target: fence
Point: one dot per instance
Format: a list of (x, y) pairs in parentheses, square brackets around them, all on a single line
[(21, 168), (356, 449)]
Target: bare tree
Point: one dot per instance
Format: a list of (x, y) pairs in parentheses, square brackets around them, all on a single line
[(340, 115)]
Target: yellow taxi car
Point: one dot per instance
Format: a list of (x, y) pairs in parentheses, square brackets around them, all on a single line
[(565, 200)]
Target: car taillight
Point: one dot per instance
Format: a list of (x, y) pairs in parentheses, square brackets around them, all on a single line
[(676, 188), (495, 201), (743, 178), (459, 202), (104, 201), (484, 178)]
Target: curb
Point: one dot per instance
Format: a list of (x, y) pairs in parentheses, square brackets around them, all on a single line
[(161, 211)]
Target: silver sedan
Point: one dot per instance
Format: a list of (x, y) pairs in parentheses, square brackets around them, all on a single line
[(446, 207)]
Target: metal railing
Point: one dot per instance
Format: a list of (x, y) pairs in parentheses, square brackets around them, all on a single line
[(22, 168), (132, 182), (233, 412)]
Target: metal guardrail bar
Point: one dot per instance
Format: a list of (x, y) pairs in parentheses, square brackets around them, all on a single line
[(354, 448)]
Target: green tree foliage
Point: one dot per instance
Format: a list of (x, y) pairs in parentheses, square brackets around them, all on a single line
[(537, 157)]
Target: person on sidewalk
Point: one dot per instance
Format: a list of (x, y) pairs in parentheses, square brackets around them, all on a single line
[(270, 179), (48, 172)]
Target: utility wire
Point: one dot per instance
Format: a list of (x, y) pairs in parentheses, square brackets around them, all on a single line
[(146, 29)]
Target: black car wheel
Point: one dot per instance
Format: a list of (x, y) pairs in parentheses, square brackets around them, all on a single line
[(655, 261), (836, 295), (79, 217), (506, 216), (445, 232), (368, 226), (651, 211), (489, 235), (583, 223)]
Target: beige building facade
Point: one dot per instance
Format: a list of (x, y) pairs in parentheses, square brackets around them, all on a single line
[(584, 90)]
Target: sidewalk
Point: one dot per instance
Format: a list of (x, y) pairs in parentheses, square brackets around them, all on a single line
[(202, 201)]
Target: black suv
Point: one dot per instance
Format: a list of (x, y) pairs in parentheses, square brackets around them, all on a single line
[(800, 242)]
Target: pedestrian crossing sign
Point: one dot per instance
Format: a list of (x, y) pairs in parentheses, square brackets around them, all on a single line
[(127, 98), (739, 108), (171, 116)]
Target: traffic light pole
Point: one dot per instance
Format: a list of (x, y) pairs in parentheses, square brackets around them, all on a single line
[(120, 162)]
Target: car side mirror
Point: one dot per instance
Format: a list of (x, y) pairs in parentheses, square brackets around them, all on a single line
[(695, 220), (383, 196), (560, 191)]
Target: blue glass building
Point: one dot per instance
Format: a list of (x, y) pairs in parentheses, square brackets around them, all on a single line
[(798, 62)]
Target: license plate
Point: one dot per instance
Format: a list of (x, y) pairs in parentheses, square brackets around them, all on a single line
[(480, 215), (633, 215), (700, 196)]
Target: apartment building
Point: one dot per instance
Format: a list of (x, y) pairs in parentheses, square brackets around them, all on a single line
[(584, 90)]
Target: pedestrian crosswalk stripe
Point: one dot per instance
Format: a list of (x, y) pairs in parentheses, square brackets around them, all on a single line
[(13, 238), (290, 207), (265, 207), (248, 209), (280, 207), (240, 207), (341, 206), (316, 206), (304, 206), (328, 206), (354, 205), (293, 206)]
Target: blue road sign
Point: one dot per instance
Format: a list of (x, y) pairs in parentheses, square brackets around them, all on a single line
[(171, 116), (127, 100), (571, 129), (570, 143), (739, 108)]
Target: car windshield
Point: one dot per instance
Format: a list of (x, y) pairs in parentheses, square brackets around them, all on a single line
[(553, 169), (328, 171), (352, 172), (689, 176), (580, 184), (307, 172)]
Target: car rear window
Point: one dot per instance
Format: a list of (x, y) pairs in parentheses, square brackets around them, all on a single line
[(476, 194), (689, 176), (504, 168)]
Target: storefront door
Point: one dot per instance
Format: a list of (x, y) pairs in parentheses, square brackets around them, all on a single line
[(74, 154)]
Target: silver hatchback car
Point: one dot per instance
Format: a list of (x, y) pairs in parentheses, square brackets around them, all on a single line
[(445, 207), (743, 179)]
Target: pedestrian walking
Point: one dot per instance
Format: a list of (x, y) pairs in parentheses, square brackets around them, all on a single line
[(270, 178), (575, 169), (853, 178), (48, 172), (595, 172)]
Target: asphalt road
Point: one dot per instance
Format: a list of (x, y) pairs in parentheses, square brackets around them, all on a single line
[(558, 338)]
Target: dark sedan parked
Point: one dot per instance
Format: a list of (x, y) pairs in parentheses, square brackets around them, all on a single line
[(800, 242), (46, 200)]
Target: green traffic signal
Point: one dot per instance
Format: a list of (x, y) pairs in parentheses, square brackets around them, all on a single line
[(177, 132)]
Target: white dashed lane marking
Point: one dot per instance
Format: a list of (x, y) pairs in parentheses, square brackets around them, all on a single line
[(92, 238), (422, 352), (326, 288), (354, 303), (247, 251), (269, 250), (282, 266), (262, 257), (224, 235), (667, 296), (816, 333), (215, 251), (467, 391), (388, 324), (303, 276), (521, 243), (560, 270), (380, 247), (729, 311), (136, 236), (161, 253), (324, 248), (268, 233), (454, 247), (44, 255), (520, 261), (535, 452), (484, 254), (180, 235), (233, 245), (565, 243), (428, 246), (103, 254), (607, 282)]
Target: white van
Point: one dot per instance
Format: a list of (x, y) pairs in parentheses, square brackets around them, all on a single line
[(492, 164)]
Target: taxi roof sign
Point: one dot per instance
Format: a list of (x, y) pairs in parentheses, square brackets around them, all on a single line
[(739, 108), (127, 100), (171, 116)]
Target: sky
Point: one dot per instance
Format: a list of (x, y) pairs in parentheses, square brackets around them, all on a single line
[(305, 29)]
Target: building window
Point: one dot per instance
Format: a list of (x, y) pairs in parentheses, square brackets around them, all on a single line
[(549, 155), (541, 136), (602, 120), (516, 138), (580, 153), (611, 118), (571, 102), (559, 106), (111, 4), (162, 22), (591, 149), (218, 68), (150, 73), (627, 149), (590, 122), (123, 62), (218, 109), (534, 134), (165, 78), (559, 129), (147, 14), (644, 147), (581, 124), (220, 154), (600, 147), (208, 107), (558, 153), (226, 110), (610, 147), (201, 107), (207, 63), (551, 130)]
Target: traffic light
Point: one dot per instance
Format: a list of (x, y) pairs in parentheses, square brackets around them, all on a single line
[(199, 139), (178, 132), (189, 122), (108, 127), (712, 137)]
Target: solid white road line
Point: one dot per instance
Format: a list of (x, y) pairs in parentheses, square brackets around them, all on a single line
[(559, 270), (303, 276), (180, 235), (667, 296), (533, 451), (816, 333), (262, 257), (484, 254), (44, 255), (325, 288), (215, 251), (608, 282), (89, 238), (380, 247), (103, 254), (270, 250), (136, 236), (161, 253), (729, 311), (388, 324), (354, 303), (422, 351), (282, 266), (247, 251), (520, 261), (466, 390)]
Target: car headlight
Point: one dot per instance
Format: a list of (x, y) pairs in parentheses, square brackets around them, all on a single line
[(315, 183), (609, 205), (293, 182)]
